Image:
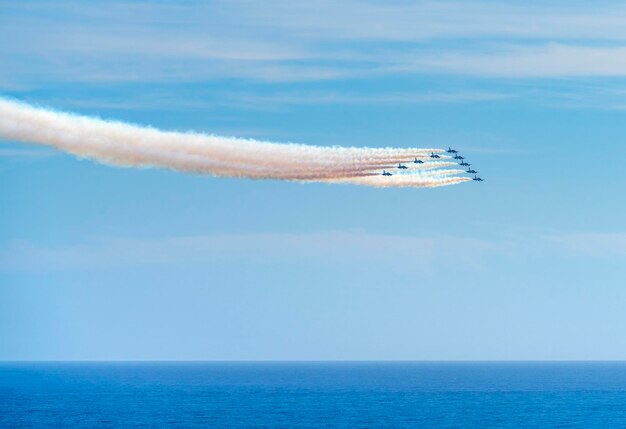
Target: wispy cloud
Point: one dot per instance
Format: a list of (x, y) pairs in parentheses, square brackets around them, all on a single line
[(306, 41), (394, 98), (264, 100), (351, 19), (427, 20), (404, 253), (552, 60), (400, 253), (608, 244)]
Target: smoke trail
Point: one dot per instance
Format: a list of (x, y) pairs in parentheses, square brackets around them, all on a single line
[(128, 145)]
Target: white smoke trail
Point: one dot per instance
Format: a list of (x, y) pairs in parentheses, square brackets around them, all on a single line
[(404, 181), (128, 145)]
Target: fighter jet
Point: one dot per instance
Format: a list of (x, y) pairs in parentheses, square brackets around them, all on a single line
[(477, 179), (434, 155), (386, 173), (470, 171), (464, 164), (450, 150), (402, 167), (458, 157), (418, 161)]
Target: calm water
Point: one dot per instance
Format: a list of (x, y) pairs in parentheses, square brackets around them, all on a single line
[(433, 395)]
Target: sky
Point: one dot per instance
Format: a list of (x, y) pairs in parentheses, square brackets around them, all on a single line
[(108, 263)]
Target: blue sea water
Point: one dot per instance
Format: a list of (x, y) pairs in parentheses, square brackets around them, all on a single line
[(314, 394)]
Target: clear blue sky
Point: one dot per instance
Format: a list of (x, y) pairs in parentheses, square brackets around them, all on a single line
[(105, 263)]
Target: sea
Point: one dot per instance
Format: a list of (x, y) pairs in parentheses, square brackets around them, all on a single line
[(313, 394)]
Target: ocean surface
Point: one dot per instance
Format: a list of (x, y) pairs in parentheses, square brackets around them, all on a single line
[(313, 394)]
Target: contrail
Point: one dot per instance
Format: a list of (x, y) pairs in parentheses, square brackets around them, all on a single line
[(127, 145)]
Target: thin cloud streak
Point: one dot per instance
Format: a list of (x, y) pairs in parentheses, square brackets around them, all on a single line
[(595, 244), (405, 253), (400, 252), (552, 60), (171, 101), (304, 98)]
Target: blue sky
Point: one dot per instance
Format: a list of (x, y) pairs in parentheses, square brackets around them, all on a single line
[(105, 263)]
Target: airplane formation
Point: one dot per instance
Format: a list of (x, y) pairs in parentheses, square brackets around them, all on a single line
[(453, 153)]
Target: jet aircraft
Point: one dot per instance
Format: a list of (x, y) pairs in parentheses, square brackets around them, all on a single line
[(418, 161), (464, 164), (470, 171), (386, 173), (458, 157), (402, 166), (434, 155), (477, 179), (450, 150)]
